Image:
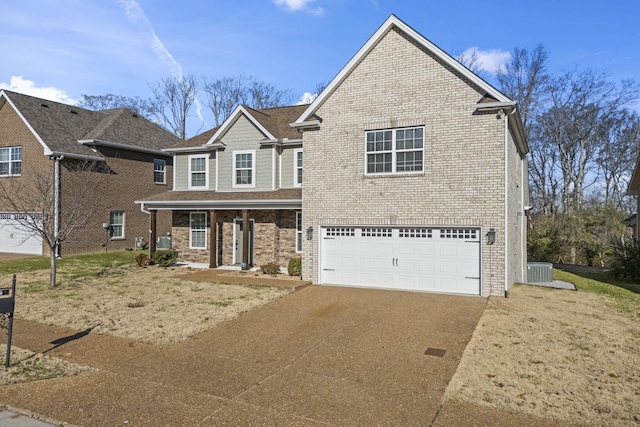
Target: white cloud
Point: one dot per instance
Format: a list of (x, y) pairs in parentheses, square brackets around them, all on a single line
[(307, 98), (489, 61), (28, 87), (299, 6)]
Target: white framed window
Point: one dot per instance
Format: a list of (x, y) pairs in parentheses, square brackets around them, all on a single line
[(10, 161), (159, 171), (297, 167), (197, 230), (116, 225), (298, 231), (244, 169), (198, 172), (394, 151)]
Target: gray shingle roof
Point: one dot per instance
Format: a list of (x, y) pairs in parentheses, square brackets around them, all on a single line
[(276, 120), (282, 194), (61, 126)]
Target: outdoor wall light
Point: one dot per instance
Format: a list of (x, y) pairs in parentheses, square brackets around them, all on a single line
[(309, 233), (491, 236)]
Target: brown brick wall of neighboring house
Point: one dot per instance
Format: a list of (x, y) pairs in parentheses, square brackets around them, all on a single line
[(128, 177), (274, 237)]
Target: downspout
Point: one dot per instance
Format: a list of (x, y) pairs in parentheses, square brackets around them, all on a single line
[(56, 204), (506, 202)]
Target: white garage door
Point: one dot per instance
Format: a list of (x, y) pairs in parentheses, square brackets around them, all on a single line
[(14, 238), (421, 259)]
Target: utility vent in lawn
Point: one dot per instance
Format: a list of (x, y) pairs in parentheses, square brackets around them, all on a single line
[(539, 272)]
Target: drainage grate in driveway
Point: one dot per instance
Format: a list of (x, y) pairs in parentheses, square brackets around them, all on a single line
[(437, 352)]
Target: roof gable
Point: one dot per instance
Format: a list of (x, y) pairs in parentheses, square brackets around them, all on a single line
[(60, 127), (391, 23), (273, 123)]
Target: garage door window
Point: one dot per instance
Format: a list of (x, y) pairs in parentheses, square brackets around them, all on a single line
[(10, 161), (424, 233), (340, 232), (392, 151), (376, 232), (453, 233)]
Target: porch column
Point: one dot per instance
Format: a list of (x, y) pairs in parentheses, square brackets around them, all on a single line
[(245, 238), (213, 238), (152, 233)]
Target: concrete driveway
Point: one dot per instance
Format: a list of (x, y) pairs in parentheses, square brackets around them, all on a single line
[(321, 356)]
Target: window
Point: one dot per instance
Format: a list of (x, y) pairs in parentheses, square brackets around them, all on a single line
[(10, 161), (159, 175), (394, 151), (244, 169), (198, 172), (116, 223), (297, 167), (298, 231), (198, 230)]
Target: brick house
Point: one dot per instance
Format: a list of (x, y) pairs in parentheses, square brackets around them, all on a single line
[(243, 175), (37, 135), (415, 178)]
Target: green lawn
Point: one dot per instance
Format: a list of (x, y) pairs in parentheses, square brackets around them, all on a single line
[(75, 264), (625, 296)]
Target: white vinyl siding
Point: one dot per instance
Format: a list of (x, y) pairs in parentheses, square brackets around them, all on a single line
[(392, 151), (297, 167), (244, 169), (197, 230), (10, 161), (116, 223), (198, 172)]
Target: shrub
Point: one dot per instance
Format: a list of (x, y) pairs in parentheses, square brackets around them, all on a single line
[(295, 267), (165, 258), (143, 260), (626, 261), (271, 268)]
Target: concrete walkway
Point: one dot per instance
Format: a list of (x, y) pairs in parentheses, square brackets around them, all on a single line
[(321, 356)]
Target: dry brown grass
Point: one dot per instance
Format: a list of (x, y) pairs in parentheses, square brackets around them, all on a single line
[(147, 304), (29, 366), (566, 355)]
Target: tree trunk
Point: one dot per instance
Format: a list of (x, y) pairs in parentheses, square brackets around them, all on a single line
[(52, 272)]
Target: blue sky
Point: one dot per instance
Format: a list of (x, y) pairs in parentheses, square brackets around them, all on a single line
[(61, 49)]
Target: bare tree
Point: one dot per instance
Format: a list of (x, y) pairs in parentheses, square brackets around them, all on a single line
[(582, 106), (172, 100), (264, 95), (39, 209), (224, 95), (471, 60), (136, 104), (617, 154), (523, 79)]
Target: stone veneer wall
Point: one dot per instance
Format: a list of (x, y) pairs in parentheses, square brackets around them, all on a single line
[(274, 237)]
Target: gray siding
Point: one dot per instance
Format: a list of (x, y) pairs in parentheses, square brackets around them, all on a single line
[(288, 166), (244, 136), (181, 169)]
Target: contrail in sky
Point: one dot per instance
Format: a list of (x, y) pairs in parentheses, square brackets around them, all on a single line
[(136, 15)]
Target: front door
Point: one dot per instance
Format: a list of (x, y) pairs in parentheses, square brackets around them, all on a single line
[(238, 241)]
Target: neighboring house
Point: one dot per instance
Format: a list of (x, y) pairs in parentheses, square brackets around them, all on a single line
[(415, 178), (37, 134), (243, 175), (634, 190)]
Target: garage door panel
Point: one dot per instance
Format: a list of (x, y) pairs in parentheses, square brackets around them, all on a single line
[(15, 238), (423, 259)]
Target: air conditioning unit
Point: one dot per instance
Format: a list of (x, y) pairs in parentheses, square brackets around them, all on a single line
[(539, 272), (163, 242)]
